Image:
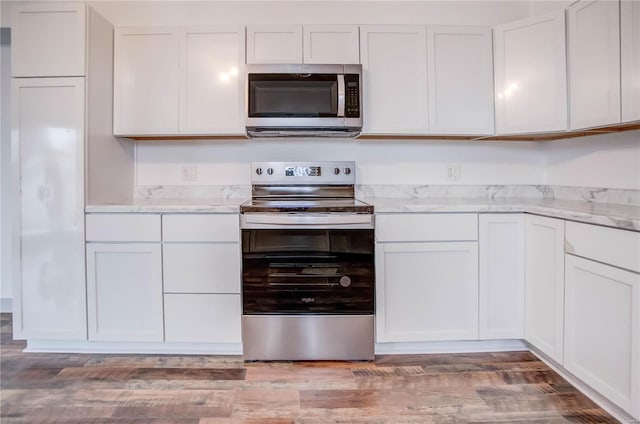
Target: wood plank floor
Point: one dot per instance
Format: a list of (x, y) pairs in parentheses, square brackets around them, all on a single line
[(512, 387)]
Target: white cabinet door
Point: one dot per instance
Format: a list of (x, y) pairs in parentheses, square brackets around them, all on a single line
[(530, 75), (394, 63), (426, 291), (274, 44), (48, 137), (48, 40), (201, 267), (594, 63), (602, 330), (124, 292), (460, 77), (331, 44), (544, 282), (146, 81), (501, 292), (630, 59), (203, 318), (212, 80)]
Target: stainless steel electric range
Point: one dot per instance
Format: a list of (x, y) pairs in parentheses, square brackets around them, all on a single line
[(308, 276)]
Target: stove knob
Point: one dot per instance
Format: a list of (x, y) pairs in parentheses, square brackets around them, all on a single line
[(270, 171), (345, 281), (347, 171), (259, 171), (336, 171)]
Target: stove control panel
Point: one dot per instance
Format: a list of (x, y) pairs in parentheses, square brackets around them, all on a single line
[(339, 172)]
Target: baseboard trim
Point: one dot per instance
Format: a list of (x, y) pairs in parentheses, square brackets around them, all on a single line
[(6, 305), (464, 346), (615, 411), (63, 346)]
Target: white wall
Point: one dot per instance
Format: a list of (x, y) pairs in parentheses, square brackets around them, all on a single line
[(5, 169), (379, 161), (611, 161), (121, 13)]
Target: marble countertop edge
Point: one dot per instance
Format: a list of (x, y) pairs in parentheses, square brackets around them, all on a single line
[(612, 215)]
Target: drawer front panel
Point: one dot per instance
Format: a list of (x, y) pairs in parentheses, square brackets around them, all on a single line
[(427, 227), (201, 268), (123, 227), (620, 248), (202, 318), (201, 227)]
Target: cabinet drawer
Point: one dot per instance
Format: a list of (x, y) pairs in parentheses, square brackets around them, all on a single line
[(209, 227), (426, 227), (122, 227), (201, 268), (205, 318), (620, 248)]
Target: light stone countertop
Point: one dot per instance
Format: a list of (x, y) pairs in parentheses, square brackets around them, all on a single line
[(204, 205), (619, 216)]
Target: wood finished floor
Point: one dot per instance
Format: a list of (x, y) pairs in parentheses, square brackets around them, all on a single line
[(512, 387)]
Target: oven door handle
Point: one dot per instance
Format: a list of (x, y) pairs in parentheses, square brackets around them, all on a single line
[(307, 219)]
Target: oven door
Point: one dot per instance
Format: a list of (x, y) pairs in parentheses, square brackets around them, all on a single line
[(308, 271)]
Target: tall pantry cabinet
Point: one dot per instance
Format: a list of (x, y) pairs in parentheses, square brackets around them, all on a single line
[(48, 133), (50, 123)]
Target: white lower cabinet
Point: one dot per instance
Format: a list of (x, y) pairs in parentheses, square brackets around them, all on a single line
[(426, 277), (203, 318), (544, 282), (602, 330), (124, 292), (201, 262), (426, 291), (501, 284)]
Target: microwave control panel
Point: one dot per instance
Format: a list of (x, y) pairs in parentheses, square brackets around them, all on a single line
[(352, 95)]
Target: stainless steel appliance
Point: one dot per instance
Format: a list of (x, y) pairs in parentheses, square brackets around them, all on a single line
[(304, 100), (308, 264)]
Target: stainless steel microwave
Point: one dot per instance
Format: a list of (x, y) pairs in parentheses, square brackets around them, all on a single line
[(304, 100)]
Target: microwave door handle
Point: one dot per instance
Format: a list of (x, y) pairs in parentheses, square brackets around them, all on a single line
[(340, 95)]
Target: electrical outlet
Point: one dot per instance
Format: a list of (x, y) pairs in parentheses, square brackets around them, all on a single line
[(453, 173), (189, 173)]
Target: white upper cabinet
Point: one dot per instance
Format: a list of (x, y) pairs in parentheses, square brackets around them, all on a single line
[(274, 44), (177, 80), (331, 44), (630, 59), (394, 63), (48, 40), (594, 63), (460, 78), (146, 81), (530, 75), (212, 80), (298, 44)]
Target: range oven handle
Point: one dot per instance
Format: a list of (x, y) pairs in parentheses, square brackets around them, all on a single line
[(341, 94), (307, 219)]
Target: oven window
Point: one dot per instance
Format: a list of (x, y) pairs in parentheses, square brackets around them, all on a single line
[(308, 271), (293, 95)]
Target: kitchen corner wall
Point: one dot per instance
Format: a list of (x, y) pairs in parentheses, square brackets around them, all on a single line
[(609, 160), (5, 173)]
